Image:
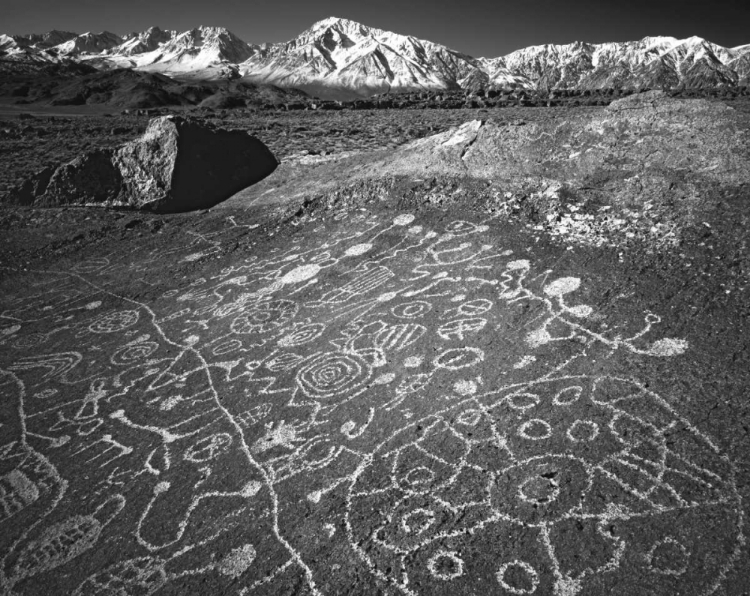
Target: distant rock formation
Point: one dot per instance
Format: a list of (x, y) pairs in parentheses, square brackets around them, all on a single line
[(647, 134), (641, 148), (177, 165)]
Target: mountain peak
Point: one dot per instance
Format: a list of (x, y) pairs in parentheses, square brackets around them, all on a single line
[(146, 41), (333, 22), (339, 25), (89, 43), (659, 39), (204, 31)]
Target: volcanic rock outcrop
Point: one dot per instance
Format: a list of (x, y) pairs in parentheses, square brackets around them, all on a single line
[(177, 165), (647, 134), (644, 142), (591, 176)]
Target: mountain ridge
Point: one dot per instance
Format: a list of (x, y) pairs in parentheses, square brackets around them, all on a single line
[(342, 59)]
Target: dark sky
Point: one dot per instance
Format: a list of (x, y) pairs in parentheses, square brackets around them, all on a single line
[(481, 28)]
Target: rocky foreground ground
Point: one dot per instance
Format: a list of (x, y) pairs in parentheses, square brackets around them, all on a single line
[(402, 386)]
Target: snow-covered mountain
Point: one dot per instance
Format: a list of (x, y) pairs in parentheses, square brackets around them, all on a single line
[(201, 53), (45, 40), (339, 58), (142, 43), (88, 43), (32, 48), (213, 51), (651, 62), (345, 56)]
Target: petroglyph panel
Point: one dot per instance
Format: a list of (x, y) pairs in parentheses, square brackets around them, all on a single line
[(415, 408)]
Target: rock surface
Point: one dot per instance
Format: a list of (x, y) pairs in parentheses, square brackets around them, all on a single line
[(177, 165), (400, 400), (646, 148), (644, 134), (272, 408), (649, 132)]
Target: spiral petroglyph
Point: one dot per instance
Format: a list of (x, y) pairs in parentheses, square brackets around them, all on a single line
[(133, 352), (333, 375)]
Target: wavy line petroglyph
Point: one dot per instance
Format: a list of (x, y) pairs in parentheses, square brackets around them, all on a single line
[(414, 406)]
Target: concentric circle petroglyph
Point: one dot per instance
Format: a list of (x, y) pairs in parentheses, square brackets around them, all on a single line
[(30, 340), (412, 310), (332, 375)]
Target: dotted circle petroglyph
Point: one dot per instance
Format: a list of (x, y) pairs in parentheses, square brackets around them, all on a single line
[(582, 431), (668, 557), (532, 577), (442, 559), (535, 430), (568, 396)]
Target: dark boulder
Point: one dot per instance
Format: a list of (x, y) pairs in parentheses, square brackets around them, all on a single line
[(181, 165), (177, 165), (91, 178)]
